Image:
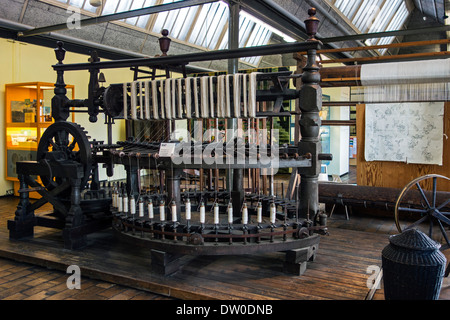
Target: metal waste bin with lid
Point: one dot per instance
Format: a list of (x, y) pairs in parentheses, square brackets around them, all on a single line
[(413, 267)]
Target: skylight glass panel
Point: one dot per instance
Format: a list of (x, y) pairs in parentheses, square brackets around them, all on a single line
[(76, 3), (245, 30), (374, 16), (260, 36), (198, 32), (224, 43), (348, 7), (109, 7), (170, 20), (160, 20), (385, 15), (179, 23), (88, 7), (217, 23), (83, 4), (255, 36), (142, 21), (187, 23), (136, 4), (124, 5), (365, 15), (202, 25)]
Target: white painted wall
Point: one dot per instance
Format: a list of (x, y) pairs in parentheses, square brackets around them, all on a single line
[(339, 135)]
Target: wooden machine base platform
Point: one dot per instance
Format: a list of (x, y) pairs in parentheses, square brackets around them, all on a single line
[(339, 270)]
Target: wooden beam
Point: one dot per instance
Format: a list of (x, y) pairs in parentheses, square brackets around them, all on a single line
[(394, 57), (339, 103), (339, 122), (340, 76)]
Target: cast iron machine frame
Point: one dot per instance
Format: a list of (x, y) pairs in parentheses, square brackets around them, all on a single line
[(65, 171)]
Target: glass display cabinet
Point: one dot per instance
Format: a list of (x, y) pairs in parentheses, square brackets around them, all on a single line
[(27, 115)]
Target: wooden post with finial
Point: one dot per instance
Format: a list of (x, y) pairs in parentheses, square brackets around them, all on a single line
[(59, 111), (310, 104)]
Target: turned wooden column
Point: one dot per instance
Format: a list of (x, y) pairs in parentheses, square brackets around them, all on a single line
[(310, 104)]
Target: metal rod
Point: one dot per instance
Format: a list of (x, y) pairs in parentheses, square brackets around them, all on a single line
[(233, 64), (194, 57), (117, 16), (383, 34)]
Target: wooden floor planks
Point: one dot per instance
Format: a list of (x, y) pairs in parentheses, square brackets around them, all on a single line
[(339, 271)]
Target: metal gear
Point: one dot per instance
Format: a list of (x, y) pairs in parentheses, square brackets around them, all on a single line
[(64, 141)]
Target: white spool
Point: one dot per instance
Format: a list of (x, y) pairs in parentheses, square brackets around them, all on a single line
[(259, 212), (273, 212), (150, 209), (125, 203), (141, 208), (202, 213), (132, 205), (114, 199), (119, 203), (174, 211), (188, 209), (230, 213), (216, 213), (244, 214), (162, 212)]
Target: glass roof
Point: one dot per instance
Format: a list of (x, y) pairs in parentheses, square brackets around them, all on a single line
[(369, 16), (203, 26)]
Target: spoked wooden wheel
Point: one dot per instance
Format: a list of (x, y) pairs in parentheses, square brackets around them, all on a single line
[(421, 206)]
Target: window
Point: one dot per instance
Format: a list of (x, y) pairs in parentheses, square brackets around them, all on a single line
[(202, 26), (369, 16)]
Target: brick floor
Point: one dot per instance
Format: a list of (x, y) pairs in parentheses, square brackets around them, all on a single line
[(21, 281)]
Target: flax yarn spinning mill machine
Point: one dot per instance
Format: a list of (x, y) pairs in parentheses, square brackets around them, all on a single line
[(163, 210)]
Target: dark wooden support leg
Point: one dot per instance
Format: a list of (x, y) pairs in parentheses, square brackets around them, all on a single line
[(24, 221), (237, 195), (73, 236), (165, 263), (173, 185), (132, 181), (296, 260)]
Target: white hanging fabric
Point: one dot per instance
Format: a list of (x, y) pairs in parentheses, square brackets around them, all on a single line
[(180, 99), (133, 95), (252, 95), (141, 104), (424, 80), (147, 100), (155, 99), (204, 97)]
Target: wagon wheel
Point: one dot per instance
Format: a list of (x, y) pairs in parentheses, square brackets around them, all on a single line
[(421, 202), (65, 141)]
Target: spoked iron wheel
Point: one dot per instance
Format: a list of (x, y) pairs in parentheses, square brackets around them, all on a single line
[(421, 206), (65, 141)]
